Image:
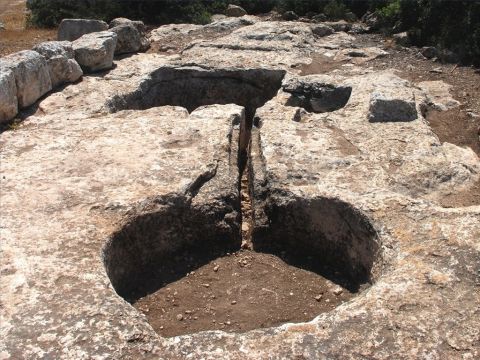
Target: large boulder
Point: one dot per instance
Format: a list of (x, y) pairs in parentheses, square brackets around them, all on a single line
[(61, 63), (139, 25), (341, 25), (129, 39), (289, 16), (8, 95), (235, 11), (94, 52), (32, 77), (322, 30), (73, 29)]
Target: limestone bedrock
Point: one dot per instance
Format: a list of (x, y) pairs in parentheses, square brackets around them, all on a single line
[(90, 159)]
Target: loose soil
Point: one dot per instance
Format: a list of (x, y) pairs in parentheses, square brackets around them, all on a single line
[(240, 292), (17, 37)]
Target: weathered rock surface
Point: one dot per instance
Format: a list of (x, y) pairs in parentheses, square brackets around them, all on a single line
[(73, 29), (60, 60), (235, 11), (427, 254), (108, 183), (322, 30), (139, 25), (8, 95), (129, 39), (438, 95), (94, 52), (341, 25), (392, 102), (32, 77), (91, 171)]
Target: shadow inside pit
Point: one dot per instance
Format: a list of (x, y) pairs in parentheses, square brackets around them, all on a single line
[(322, 235), (166, 242)]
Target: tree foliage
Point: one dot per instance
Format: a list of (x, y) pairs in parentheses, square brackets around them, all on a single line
[(444, 23)]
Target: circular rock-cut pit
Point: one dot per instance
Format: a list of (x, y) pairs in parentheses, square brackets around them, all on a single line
[(188, 274)]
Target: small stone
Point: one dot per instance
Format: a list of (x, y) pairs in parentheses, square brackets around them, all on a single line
[(318, 297), (437, 70), (337, 290), (179, 317), (291, 294), (234, 302), (206, 285), (216, 268), (228, 323)]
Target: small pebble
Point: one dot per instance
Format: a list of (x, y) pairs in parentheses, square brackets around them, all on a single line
[(206, 285), (216, 268), (179, 317), (318, 297), (337, 290), (234, 302)]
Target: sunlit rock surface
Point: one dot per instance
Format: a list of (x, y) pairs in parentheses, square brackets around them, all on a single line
[(93, 155)]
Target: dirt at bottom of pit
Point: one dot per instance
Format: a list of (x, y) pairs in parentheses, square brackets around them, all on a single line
[(240, 292)]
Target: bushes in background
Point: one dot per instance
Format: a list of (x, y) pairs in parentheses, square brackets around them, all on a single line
[(447, 24)]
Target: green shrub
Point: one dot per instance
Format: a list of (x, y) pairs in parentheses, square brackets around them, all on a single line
[(447, 24), (335, 10)]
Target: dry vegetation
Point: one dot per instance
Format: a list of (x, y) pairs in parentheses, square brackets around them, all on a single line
[(16, 36)]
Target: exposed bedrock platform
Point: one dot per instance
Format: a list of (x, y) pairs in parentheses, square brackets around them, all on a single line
[(107, 196)]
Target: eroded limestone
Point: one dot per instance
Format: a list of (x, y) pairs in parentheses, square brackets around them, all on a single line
[(90, 182)]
